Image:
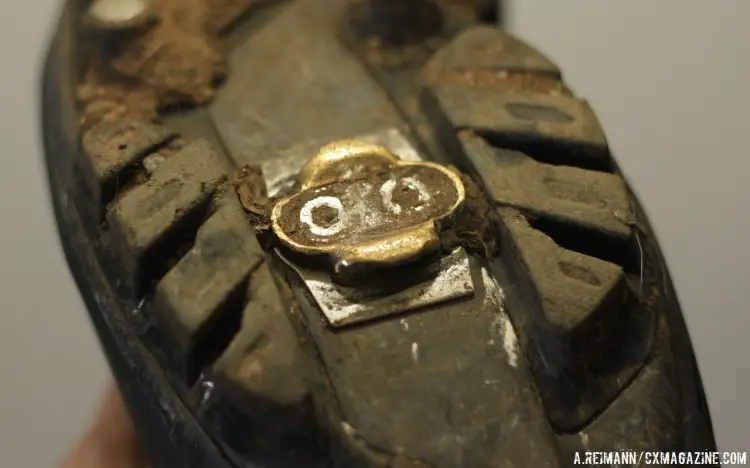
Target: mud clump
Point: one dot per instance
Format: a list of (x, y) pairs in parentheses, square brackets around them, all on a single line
[(405, 196), (175, 61), (250, 186), (178, 58), (474, 226), (485, 10), (384, 20), (507, 81), (224, 14), (325, 216), (104, 96)]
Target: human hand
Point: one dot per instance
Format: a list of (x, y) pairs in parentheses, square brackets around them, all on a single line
[(111, 441)]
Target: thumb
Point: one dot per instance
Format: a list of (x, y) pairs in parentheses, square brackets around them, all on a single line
[(111, 441)]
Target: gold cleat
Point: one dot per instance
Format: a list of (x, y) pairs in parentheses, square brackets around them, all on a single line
[(359, 205)]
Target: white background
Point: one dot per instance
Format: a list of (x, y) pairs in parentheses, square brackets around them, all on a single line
[(669, 79)]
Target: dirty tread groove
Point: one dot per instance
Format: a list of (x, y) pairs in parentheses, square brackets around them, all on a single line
[(159, 259), (218, 333), (552, 152), (152, 220), (580, 366), (577, 239), (575, 300)]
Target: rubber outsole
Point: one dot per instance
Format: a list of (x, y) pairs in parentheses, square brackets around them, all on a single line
[(217, 344)]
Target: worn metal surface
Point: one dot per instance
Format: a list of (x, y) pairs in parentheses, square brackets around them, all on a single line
[(360, 205), (446, 385), (280, 172), (447, 279)]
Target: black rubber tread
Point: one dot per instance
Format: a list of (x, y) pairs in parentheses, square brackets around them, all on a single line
[(167, 428), (577, 369), (112, 149), (554, 129), (598, 203), (201, 299), (235, 351), (147, 219)]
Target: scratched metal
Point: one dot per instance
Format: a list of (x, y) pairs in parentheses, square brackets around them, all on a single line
[(280, 172), (448, 279)]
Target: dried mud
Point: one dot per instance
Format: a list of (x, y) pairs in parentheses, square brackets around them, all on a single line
[(253, 194), (506, 80), (475, 225), (176, 61)]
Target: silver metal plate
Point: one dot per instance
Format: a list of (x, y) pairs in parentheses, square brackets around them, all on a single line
[(344, 306), (280, 172)]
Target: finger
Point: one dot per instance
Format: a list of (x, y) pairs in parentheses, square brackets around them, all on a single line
[(111, 440)]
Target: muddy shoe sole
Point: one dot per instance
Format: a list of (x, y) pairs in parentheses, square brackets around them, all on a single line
[(357, 236)]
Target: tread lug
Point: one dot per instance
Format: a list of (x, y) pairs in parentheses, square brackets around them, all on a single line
[(490, 48), (144, 219), (585, 331), (597, 202), (260, 357), (265, 374), (558, 130), (626, 421), (110, 147), (201, 288), (572, 288)]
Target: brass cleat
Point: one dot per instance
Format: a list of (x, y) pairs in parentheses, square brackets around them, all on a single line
[(359, 206)]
